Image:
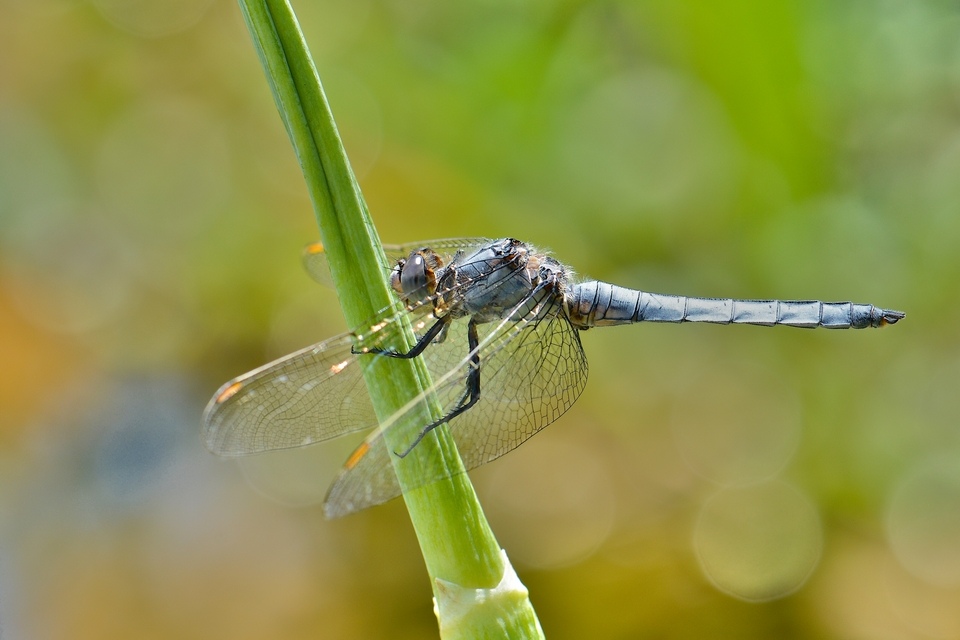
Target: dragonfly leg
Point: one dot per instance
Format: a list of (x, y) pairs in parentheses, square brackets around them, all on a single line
[(417, 349), (470, 395)]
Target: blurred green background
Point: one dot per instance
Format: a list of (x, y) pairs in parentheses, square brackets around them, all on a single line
[(712, 482)]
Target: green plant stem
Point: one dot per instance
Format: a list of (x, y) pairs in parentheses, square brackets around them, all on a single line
[(458, 546)]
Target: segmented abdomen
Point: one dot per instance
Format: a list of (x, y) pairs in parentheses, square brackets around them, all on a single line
[(599, 304)]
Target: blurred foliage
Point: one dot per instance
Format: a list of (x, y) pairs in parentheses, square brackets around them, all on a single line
[(151, 216)]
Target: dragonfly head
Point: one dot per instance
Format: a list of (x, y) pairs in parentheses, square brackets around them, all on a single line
[(414, 278)]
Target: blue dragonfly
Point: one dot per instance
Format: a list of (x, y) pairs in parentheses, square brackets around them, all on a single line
[(498, 326)]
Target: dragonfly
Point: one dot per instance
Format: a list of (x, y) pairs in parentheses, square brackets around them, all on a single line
[(497, 324)]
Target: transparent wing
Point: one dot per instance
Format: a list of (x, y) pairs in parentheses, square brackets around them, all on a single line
[(529, 378), (314, 394), (315, 262), (532, 369), (309, 396), (315, 258)]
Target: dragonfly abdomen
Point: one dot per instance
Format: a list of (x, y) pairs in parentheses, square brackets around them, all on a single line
[(600, 304)]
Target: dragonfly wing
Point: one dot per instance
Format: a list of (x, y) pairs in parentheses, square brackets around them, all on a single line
[(367, 479), (314, 394), (316, 264), (532, 370), (445, 247), (530, 374)]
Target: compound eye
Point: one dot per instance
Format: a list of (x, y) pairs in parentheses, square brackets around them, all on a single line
[(413, 276)]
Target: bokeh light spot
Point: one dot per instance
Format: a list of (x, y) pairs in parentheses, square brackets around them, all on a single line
[(923, 521), (929, 609), (333, 25), (651, 141), (850, 593), (67, 272), (845, 235), (737, 428), (760, 542), (552, 507), (34, 173), (153, 18), (163, 171)]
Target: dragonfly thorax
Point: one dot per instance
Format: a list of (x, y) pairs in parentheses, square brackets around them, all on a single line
[(498, 277)]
